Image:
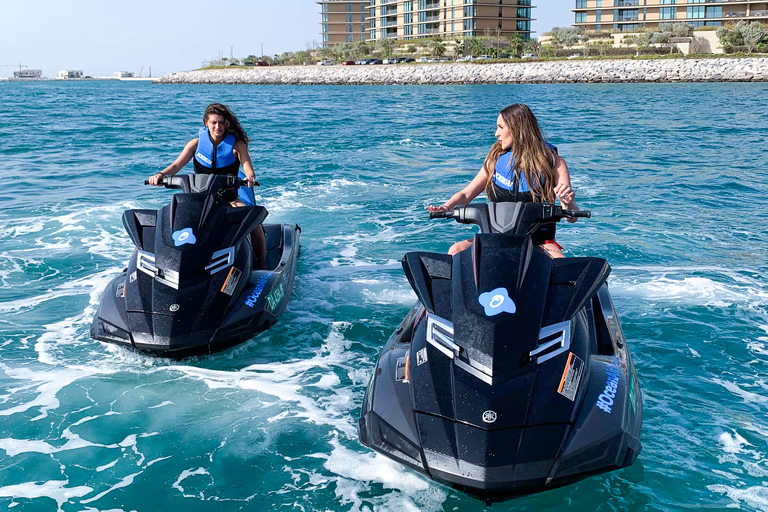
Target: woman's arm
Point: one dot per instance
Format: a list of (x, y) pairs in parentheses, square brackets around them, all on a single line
[(466, 195), (183, 159), (563, 189), (241, 150)]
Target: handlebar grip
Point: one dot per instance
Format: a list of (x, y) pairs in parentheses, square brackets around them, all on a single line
[(438, 215), (579, 213), (146, 182)]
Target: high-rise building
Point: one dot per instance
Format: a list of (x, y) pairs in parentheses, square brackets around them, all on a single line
[(630, 15), (413, 19), (343, 21)]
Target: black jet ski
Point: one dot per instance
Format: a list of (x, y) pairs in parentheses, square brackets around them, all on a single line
[(190, 286), (511, 375)]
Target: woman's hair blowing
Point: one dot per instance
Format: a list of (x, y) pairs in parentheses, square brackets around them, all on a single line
[(233, 125), (532, 157)]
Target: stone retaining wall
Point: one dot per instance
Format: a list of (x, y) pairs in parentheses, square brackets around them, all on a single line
[(571, 71)]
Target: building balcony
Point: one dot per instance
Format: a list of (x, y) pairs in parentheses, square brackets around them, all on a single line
[(432, 18), (628, 3), (390, 23)]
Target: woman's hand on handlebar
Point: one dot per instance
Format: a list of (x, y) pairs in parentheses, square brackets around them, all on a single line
[(250, 180), (437, 209), (156, 179)]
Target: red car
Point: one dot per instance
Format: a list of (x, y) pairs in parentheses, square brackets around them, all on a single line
[(260, 63), (348, 63)]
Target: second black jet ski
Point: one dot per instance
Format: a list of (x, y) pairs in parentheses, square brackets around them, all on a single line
[(511, 375), (191, 286)]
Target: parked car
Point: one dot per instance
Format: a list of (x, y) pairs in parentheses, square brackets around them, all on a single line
[(391, 60), (348, 63), (326, 63), (503, 56), (574, 56), (408, 59), (261, 63), (374, 61), (528, 56), (466, 58), (366, 62), (483, 57)]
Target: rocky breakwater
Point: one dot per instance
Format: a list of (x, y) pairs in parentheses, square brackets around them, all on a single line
[(571, 71)]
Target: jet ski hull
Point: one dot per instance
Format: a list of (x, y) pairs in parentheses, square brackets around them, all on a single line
[(168, 330)]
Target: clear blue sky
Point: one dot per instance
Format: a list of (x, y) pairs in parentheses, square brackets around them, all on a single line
[(103, 36)]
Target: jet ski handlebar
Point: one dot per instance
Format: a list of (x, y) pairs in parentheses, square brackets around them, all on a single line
[(179, 182), (508, 217)]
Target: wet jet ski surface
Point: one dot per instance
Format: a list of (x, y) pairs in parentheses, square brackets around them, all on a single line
[(511, 375), (191, 286)]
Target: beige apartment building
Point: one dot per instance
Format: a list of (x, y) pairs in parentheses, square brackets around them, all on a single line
[(413, 19), (631, 15), (343, 21)]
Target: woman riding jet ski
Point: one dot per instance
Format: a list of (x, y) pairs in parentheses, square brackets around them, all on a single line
[(192, 285), (511, 375)]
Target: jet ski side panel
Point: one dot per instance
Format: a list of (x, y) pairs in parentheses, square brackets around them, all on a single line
[(386, 422), (110, 323)]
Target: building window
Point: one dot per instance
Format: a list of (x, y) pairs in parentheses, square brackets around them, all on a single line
[(348, 7), (668, 13), (524, 12), (408, 29), (470, 11), (668, 2), (628, 3), (598, 15), (581, 4), (325, 7), (523, 26), (598, 27), (599, 3), (408, 6), (581, 17), (714, 12), (695, 12), (408, 17), (628, 14)]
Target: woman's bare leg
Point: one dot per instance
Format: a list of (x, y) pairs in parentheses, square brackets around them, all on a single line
[(257, 240), (460, 246), (553, 250)]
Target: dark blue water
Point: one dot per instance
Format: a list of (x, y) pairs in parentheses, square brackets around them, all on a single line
[(677, 178)]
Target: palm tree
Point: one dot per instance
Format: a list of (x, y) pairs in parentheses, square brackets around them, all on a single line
[(516, 44), (459, 48), (437, 46), (476, 46)]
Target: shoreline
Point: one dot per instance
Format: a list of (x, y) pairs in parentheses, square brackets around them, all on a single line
[(748, 69)]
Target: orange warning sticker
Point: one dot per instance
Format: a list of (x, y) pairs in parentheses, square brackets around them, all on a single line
[(569, 383)]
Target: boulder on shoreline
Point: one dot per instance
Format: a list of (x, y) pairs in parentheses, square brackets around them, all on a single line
[(572, 71)]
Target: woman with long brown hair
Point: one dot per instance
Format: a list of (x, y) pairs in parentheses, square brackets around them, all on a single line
[(521, 166), (220, 148)]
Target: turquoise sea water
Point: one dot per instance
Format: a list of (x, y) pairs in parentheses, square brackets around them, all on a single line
[(675, 174)]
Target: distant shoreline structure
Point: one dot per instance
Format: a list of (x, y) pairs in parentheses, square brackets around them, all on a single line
[(568, 71)]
